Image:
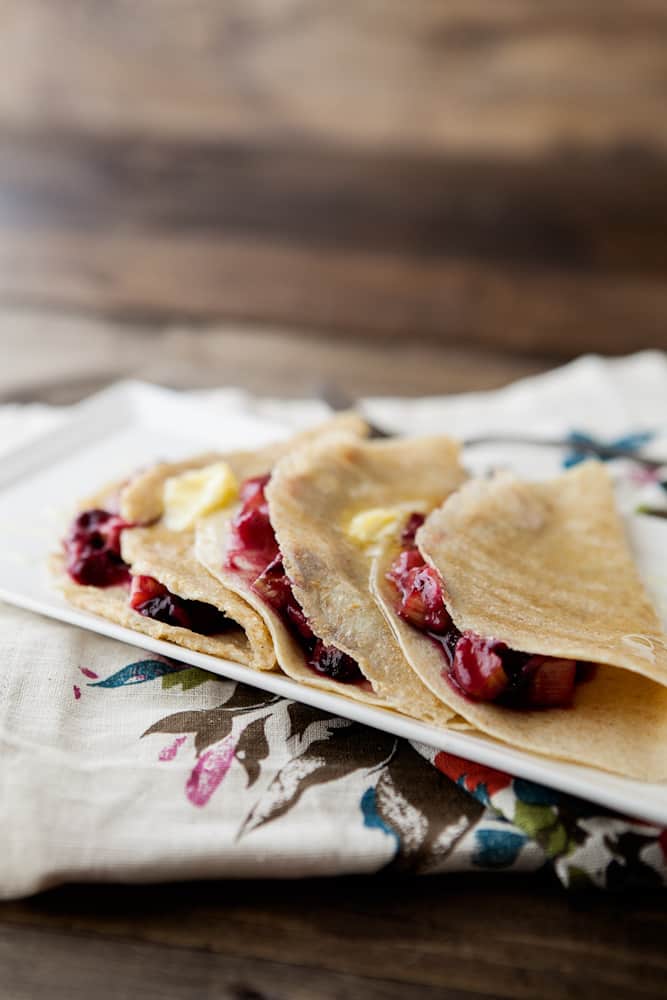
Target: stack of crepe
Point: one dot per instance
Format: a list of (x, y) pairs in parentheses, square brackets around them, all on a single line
[(542, 567)]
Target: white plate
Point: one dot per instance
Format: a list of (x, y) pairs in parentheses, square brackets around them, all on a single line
[(133, 424)]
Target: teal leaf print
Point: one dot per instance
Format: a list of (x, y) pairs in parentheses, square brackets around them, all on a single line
[(497, 848), (630, 443), (535, 795), (138, 673)]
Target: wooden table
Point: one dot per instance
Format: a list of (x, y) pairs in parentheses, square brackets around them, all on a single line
[(391, 198)]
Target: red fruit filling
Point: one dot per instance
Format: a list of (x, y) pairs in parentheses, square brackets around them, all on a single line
[(252, 544), (92, 549), (477, 667), (412, 526), (253, 550), (421, 601), (153, 600), (482, 669), (550, 682), (334, 663)]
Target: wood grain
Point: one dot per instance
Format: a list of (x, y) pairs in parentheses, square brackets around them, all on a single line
[(487, 75), (85, 354), (41, 965), (477, 173), (507, 935), (391, 197), (548, 258)]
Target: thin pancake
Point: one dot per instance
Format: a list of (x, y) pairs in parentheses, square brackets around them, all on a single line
[(212, 535), (618, 721), (546, 568), (169, 557), (141, 499), (312, 495), (169, 560), (112, 603)]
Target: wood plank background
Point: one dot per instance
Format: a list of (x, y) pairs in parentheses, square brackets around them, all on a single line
[(391, 196), (485, 175), (452, 937)]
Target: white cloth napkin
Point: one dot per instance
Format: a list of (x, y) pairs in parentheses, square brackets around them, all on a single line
[(122, 766)]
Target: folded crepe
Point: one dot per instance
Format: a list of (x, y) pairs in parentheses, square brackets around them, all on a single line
[(327, 502), (153, 550), (546, 569), (168, 558), (214, 537)]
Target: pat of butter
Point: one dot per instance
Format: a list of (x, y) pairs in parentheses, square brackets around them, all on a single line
[(372, 526), (197, 493)]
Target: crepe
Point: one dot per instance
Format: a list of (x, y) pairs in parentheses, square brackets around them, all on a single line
[(170, 560), (211, 541), (313, 494), (545, 568), (169, 557), (141, 498)]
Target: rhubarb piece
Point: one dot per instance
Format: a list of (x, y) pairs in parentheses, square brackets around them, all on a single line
[(421, 599), (252, 545), (144, 589), (549, 683), (477, 667)]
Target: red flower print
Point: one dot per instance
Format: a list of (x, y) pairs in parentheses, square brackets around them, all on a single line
[(472, 774)]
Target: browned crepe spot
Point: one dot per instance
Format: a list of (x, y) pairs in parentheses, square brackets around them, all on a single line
[(546, 568), (618, 721), (312, 494)]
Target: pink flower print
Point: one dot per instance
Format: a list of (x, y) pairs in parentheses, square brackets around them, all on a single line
[(77, 691), (89, 673), (642, 475), (209, 771), (169, 752)]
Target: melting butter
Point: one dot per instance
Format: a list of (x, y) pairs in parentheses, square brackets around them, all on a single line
[(196, 493), (370, 527)]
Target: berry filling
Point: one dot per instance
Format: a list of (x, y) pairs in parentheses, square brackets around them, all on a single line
[(421, 601), (480, 668), (92, 550), (153, 600), (253, 550)]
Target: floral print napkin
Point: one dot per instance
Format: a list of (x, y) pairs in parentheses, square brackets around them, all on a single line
[(119, 766)]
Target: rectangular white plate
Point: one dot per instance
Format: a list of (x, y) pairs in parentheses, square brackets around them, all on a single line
[(133, 424)]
